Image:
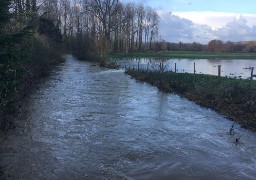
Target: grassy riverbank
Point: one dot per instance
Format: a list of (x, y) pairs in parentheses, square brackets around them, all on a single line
[(233, 98), (185, 54)]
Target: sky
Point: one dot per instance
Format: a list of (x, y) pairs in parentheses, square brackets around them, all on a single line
[(203, 20)]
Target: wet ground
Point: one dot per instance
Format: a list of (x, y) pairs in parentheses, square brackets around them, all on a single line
[(85, 122)]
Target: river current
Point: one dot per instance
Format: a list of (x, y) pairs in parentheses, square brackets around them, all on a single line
[(86, 122)]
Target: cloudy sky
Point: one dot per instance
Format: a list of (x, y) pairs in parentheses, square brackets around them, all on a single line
[(204, 20)]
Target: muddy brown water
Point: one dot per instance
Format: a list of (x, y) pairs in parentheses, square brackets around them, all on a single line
[(85, 122)]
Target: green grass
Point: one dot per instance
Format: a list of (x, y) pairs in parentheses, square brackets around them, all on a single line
[(186, 54)]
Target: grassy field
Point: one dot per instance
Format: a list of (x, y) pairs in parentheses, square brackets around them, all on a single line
[(235, 99), (186, 54)]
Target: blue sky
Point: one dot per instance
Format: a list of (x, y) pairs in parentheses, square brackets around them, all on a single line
[(204, 20), (232, 6)]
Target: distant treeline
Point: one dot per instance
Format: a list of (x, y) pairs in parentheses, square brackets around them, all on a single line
[(95, 28), (91, 29), (216, 46)]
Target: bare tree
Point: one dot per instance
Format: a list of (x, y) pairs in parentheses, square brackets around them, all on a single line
[(65, 12), (104, 25), (105, 12), (141, 15)]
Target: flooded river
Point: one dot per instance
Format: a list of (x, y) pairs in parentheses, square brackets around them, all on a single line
[(85, 122)]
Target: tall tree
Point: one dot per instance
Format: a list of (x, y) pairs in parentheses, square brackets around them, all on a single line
[(107, 25), (141, 15), (4, 19), (65, 11), (4, 15), (9, 57), (105, 11)]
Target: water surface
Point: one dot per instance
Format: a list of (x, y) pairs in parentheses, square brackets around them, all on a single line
[(85, 122), (230, 68)]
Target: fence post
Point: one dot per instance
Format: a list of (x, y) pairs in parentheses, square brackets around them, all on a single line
[(147, 66), (175, 70), (252, 73), (138, 66), (219, 72), (161, 67), (194, 68)]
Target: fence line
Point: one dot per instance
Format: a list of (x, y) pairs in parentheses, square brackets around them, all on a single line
[(160, 67)]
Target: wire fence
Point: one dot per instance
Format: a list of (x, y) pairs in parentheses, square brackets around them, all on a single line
[(164, 66)]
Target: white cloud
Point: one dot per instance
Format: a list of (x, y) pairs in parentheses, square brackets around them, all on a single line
[(215, 19), (205, 26), (202, 34), (175, 29), (237, 30)]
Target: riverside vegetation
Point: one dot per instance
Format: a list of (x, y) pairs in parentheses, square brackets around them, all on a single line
[(233, 98), (30, 46)]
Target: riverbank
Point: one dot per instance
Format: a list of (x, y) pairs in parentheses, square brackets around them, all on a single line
[(233, 98), (26, 86), (185, 54), (19, 80)]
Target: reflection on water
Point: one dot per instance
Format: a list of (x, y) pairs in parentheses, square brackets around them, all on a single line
[(85, 122), (230, 68)]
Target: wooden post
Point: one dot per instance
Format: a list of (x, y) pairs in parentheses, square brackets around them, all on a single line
[(252, 73), (147, 66), (161, 67), (219, 72), (175, 70), (138, 66), (194, 68)]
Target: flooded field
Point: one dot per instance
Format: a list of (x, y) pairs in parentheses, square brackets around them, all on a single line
[(85, 122), (230, 68)]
